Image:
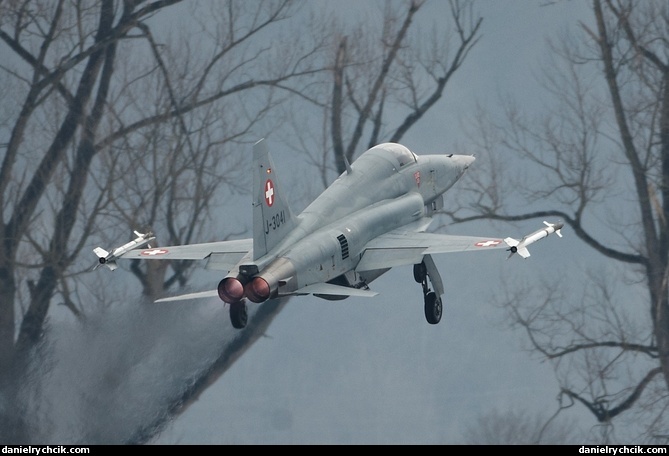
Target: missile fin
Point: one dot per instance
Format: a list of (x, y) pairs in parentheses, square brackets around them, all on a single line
[(511, 242), (100, 252)]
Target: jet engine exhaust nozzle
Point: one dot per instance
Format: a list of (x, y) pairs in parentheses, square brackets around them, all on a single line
[(258, 290), (230, 290)]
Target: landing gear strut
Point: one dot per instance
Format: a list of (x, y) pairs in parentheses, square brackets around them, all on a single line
[(433, 304)]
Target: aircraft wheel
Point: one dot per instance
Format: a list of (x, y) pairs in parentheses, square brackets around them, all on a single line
[(419, 272), (238, 314), (433, 308)]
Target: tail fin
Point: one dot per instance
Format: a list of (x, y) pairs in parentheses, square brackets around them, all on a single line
[(272, 217)]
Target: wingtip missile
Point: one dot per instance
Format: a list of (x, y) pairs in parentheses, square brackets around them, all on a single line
[(520, 246), (109, 258)]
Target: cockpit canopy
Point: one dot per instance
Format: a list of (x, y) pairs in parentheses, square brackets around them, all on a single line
[(396, 153)]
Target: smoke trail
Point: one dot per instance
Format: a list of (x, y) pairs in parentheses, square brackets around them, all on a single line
[(121, 375)]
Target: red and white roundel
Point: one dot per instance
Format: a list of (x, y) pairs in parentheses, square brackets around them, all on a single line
[(153, 252), (490, 243), (269, 192)]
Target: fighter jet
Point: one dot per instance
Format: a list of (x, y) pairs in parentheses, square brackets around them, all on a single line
[(372, 218)]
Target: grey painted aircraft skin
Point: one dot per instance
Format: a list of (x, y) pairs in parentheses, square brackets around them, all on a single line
[(373, 217)]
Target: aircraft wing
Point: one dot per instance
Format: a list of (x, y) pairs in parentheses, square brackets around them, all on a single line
[(402, 247), (222, 255)]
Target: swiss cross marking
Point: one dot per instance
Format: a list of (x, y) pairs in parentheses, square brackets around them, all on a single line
[(269, 192), (153, 252), (416, 176), (490, 243)]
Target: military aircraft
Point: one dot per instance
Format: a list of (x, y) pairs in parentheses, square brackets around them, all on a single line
[(372, 218)]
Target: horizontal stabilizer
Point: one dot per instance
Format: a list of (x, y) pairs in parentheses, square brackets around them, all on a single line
[(334, 290), (198, 295), (317, 288)]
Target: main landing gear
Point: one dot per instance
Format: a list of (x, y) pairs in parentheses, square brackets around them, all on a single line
[(238, 314), (433, 304)]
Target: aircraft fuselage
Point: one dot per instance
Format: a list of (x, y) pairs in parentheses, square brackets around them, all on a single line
[(386, 188)]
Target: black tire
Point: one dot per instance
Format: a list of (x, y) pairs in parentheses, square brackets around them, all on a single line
[(238, 314), (419, 272), (433, 308)]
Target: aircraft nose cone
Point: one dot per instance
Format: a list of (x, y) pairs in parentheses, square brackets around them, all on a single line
[(464, 160)]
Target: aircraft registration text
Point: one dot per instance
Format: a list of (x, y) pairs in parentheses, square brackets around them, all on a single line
[(274, 222)]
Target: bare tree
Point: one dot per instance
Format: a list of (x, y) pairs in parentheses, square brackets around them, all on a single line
[(146, 140), (110, 122), (514, 427), (382, 80), (196, 159), (598, 158)]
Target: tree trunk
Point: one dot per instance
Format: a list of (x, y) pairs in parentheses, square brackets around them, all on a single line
[(7, 316)]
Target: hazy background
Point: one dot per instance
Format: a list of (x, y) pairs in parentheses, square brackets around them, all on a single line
[(373, 371), (111, 366)]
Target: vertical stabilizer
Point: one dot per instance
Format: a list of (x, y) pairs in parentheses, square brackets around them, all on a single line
[(272, 218)]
